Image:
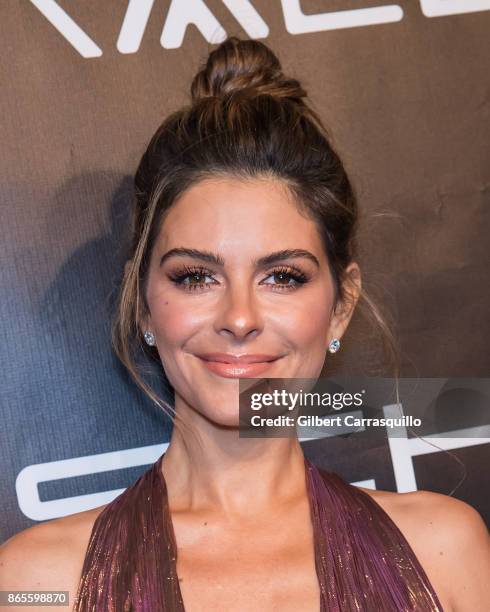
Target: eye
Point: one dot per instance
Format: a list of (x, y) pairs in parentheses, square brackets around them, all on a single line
[(192, 279), (286, 278), (197, 278)]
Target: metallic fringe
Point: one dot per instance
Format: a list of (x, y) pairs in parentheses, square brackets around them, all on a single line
[(363, 562)]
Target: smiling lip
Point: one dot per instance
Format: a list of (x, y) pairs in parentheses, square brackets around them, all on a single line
[(240, 359), (237, 366)]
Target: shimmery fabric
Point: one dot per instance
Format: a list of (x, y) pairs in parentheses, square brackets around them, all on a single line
[(363, 561)]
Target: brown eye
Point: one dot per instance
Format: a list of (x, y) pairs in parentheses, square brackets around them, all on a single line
[(282, 278), (285, 279), (196, 279), (193, 279)]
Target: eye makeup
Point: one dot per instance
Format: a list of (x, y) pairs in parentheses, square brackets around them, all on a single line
[(193, 278)]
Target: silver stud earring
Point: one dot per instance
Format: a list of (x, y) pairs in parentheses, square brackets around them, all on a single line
[(334, 345), (150, 338)]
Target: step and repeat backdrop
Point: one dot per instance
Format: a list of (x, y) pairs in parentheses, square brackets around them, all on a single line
[(404, 90)]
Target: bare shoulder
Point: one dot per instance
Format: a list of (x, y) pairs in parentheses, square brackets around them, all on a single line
[(47, 556), (451, 541)]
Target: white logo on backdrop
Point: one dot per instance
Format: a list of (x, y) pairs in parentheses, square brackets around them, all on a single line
[(196, 12), (402, 450), (440, 8), (26, 483)]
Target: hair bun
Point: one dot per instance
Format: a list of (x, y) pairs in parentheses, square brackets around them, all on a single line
[(238, 65)]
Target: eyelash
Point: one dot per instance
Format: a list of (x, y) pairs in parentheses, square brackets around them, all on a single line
[(178, 278)]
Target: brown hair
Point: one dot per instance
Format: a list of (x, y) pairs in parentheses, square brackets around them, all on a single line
[(248, 120)]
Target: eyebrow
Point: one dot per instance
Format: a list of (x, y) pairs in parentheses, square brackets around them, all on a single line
[(266, 260)]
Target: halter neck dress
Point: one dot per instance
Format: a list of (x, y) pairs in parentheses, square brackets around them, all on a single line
[(363, 562)]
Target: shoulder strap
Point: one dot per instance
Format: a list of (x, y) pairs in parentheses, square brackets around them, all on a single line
[(363, 560), (131, 549)]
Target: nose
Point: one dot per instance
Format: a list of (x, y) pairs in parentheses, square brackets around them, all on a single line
[(239, 314)]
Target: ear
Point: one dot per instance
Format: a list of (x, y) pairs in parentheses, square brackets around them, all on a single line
[(344, 309), (143, 319), (144, 324)]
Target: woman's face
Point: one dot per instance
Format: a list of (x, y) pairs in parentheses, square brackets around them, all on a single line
[(238, 273)]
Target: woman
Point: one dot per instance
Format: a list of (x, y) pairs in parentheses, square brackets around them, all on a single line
[(243, 265)]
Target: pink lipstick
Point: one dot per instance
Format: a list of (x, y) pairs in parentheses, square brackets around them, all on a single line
[(229, 365)]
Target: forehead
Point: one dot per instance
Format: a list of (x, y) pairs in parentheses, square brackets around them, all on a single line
[(238, 215)]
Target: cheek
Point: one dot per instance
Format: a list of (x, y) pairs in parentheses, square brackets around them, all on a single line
[(305, 322), (174, 323)]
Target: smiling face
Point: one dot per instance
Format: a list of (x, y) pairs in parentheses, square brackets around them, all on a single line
[(238, 270)]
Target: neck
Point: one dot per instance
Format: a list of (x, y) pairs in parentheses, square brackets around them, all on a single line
[(208, 467)]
